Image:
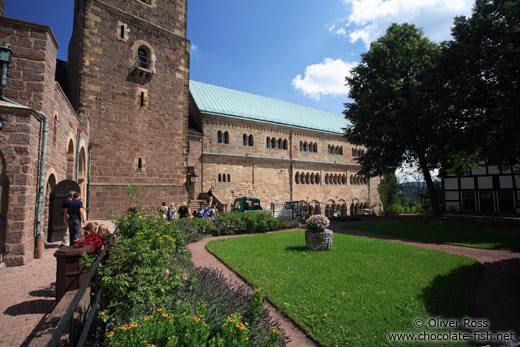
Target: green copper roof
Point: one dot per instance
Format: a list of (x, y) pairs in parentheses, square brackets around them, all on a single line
[(216, 100)]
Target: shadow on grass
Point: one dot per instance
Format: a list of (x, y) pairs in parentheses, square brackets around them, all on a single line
[(297, 249), (451, 295)]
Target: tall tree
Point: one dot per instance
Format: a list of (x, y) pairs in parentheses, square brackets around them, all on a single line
[(480, 75), (388, 189), (392, 112)]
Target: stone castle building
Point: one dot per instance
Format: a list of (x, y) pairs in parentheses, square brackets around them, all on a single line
[(122, 111)]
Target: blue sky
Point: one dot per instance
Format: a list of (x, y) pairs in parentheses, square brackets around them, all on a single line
[(293, 50)]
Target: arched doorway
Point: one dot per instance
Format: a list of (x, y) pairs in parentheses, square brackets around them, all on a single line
[(4, 203), (330, 208), (60, 192), (49, 187), (342, 205)]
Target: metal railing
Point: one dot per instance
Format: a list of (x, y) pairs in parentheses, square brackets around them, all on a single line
[(68, 318)]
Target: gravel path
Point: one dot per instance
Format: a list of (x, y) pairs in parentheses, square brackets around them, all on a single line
[(497, 291), (202, 258)]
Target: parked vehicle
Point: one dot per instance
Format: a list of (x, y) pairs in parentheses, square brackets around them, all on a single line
[(245, 204), (295, 210)]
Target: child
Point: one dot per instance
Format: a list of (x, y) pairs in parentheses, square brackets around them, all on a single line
[(90, 227), (103, 231)]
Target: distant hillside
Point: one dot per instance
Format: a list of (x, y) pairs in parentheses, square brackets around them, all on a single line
[(411, 189)]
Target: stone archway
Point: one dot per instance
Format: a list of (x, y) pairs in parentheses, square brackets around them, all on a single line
[(82, 174), (49, 187), (4, 204), (342, 205), (57, 227)]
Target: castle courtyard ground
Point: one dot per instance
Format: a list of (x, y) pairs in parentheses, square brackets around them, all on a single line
[(28, 291)]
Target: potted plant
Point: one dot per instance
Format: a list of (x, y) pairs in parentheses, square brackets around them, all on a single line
[(317, 236)]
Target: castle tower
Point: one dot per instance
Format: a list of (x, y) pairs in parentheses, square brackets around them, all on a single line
[(129, 74)]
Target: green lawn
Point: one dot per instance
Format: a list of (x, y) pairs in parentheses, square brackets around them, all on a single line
[(358, 291), (472, 235)]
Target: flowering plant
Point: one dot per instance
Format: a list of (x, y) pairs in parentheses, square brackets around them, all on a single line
[(317, 223)]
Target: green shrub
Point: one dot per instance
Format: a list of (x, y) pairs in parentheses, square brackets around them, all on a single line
[(153, 296), (393, 210), (286, 224)]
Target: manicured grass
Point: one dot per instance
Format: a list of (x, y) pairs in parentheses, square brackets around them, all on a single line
[(358, 291), (472, 235)]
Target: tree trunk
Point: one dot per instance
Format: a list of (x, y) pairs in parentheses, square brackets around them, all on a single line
[(432, 191)]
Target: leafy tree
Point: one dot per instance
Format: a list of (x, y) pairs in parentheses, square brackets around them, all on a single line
[(388, 189), (392, 112), (480, 75)]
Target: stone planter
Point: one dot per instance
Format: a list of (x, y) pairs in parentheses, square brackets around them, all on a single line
[(319, 241)]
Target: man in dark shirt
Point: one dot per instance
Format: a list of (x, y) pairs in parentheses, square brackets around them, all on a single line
[(65, 211), (76, 216)]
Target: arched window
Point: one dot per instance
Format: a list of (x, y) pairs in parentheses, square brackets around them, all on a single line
[(297, 178), (328, 148), (279, 143), (315, 148), (351, 180), (268, 142), (273, 143), (337, 150), (223, 177), (285, 144), (301, 146), (335, 179), (343, 179), (327, 179), (219, 136), (341, 150), (312, 178), (317, 179), (305, 146), (226, 137), (302, 178), (353, 155), (251, 140), (307, 178), (219, 177), (122, 31), (228, 177), (244, 140), (143, 57)]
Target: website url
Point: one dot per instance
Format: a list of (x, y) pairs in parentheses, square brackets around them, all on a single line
[(480, 336)]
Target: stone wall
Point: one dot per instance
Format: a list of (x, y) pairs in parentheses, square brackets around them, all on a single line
[(195, 160), (31, 81), (138, 116), (235, 169), (2, 4), (19, 149)]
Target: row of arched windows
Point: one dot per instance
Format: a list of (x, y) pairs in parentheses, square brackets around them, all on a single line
[(247, 140), (224, 177), (307, 178), (274, 143), (335, 150), (308, 147), (356, 179), (222, 137), (335, 179), (356, 153)]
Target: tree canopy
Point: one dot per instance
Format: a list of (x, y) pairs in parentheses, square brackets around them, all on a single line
[(392, 112), (480, 75)]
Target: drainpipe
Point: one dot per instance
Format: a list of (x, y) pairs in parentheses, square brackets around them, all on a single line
[(77, 155), (87, 195), (5, 58), (291, 171)]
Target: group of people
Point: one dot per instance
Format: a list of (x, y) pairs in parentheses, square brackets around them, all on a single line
[(205, 211), (73, 217)]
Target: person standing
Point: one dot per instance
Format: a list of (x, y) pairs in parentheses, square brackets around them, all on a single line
[(210, 196), (65, 211), (76, 217)]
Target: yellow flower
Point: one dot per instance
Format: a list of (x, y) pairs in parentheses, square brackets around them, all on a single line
[(140, 217), (110, 334), (165, 314), (230, 319), (133, 325), (258, 290), (240, 326), (247, 338), (159, 309), (196, 319), (151, 345)]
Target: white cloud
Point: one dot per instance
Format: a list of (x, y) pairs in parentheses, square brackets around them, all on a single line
[(369, 19), (193, 47), (325, 78)]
